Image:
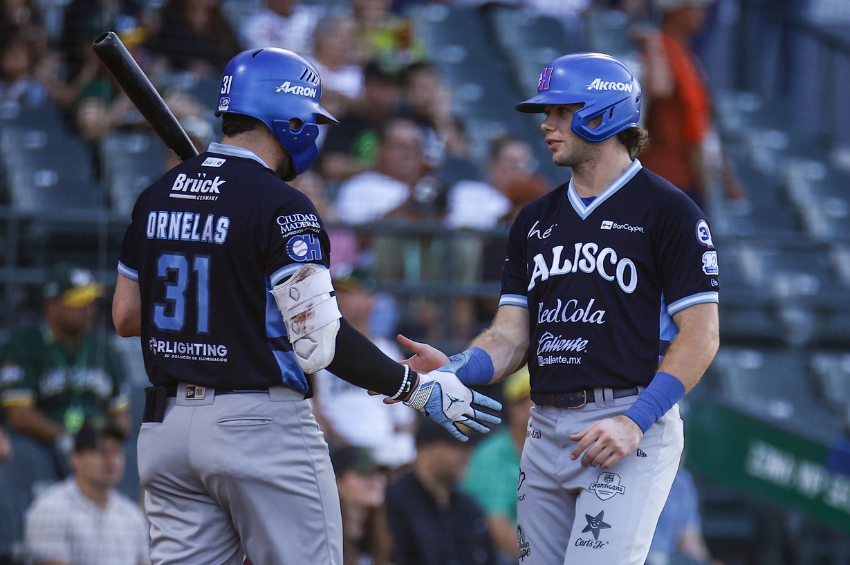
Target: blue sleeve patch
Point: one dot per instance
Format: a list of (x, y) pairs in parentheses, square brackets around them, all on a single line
[(304, 248)]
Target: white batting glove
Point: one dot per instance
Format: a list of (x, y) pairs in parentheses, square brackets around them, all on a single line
[(444, 399)]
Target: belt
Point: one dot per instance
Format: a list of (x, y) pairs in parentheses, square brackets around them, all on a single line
[(171, 391), (573, 400)]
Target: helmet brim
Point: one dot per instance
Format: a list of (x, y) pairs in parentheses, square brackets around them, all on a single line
[(324, 117), (536, 104)]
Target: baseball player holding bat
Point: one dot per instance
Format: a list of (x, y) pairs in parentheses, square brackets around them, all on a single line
[(610, 292), (223, 273)]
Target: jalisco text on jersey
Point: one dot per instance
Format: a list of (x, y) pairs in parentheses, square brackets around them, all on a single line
[(186, 226), (570, 313), (589, 262)]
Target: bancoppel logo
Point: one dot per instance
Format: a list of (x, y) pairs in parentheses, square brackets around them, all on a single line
[(213, 162), (522, 543), (607, 486), (704, 234), (288, 88), (610, 225), (709, 263), (224, 104), (599, 84)]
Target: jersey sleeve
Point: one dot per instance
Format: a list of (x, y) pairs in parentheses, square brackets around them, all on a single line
[(297, 236), (127, 260), (18, 385), (47, 534), (514, 269), (687, 259)]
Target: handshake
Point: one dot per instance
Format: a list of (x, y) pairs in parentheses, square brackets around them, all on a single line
[(443, 397)]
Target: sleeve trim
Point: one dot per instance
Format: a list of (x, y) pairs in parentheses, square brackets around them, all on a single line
[(18, 397), (131, 274), (693, 300), (514, 300), (287, 272)]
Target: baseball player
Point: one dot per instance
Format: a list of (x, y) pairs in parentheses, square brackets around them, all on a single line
[(223, 273), (610, 292)]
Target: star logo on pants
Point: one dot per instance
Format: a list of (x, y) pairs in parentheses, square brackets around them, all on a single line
[(594, 524)]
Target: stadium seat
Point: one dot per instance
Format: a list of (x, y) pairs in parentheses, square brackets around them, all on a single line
[(833, 373), (773, 384), (47, 170), (130, 163)]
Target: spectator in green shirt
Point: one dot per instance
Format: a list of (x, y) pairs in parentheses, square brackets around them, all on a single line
[(56, 375), (493, 471)]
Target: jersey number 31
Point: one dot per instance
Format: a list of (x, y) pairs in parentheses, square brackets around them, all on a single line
[(175, 292)]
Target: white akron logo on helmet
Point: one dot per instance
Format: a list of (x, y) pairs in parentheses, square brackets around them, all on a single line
[(599, 84)]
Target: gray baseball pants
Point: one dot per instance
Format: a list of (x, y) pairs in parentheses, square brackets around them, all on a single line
[(569, 514), (240, 474)]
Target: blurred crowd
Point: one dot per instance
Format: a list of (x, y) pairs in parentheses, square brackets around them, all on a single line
[(387, 185)]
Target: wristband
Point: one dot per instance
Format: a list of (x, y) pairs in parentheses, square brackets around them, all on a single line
[(475, 367), (406, 385), (663, 392)]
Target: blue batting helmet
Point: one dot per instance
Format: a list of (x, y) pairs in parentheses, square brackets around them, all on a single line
[(605, 86), (276, 86)]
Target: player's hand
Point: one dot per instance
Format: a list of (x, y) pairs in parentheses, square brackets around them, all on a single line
[(444, 399), (607, 441), (425, 358)]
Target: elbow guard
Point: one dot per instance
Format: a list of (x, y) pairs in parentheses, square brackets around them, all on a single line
[(311, 316)]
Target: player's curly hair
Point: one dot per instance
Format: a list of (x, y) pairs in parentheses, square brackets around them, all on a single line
[(635, 139)]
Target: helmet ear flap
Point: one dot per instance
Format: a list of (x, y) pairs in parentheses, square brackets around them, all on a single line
[(299, 143)]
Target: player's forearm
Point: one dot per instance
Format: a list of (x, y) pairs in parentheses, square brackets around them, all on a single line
[(503, 535), (29, 421), (360, 362), (506, 341), (694, 347)]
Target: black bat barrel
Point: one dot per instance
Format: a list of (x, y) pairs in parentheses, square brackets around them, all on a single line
[(144, 96)]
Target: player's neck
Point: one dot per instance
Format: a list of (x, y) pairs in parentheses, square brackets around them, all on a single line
[(440, 492), (261, 143), (594, 176), (97, 494)]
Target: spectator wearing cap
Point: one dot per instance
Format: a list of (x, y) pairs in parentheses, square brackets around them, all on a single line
[(347, 414), (494, 467), (352, 147), (84, 520), (432, 522), (56, 375), (362, 490)]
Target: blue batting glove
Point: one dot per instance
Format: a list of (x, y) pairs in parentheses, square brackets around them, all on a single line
[(444, 399)]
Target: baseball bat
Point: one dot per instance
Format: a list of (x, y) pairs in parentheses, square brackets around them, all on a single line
[(144, 96)]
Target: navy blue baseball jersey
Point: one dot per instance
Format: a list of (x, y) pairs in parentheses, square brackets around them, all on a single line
[(207, 243), (602, 279)]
